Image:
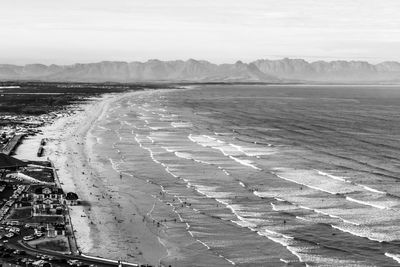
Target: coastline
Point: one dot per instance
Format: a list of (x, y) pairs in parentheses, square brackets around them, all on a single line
[(69, 146), (240, 196)]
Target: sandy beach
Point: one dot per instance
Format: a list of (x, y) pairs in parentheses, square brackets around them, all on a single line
[(126, 233)]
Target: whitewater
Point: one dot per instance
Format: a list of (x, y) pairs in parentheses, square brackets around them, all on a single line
[(271, 176)]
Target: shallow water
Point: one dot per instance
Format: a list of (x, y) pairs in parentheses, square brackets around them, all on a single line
[(267, 175)]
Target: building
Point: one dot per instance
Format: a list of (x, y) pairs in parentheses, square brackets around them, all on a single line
[(55, 230), (48, 201), (49, 192)]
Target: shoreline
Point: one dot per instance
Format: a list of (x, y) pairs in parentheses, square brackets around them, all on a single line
[(78, 172)]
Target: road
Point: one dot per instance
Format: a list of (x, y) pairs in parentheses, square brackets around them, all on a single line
[(14, 243)]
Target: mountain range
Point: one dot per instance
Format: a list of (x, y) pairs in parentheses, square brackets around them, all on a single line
[(262, 70)]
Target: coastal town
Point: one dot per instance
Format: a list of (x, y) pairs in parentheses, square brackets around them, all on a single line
[(35, 227), (35, 224)]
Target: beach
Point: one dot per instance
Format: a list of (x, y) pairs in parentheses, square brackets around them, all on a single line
[(69, 146)]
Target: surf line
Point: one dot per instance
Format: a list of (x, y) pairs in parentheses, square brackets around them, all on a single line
[(244, 162), (234, 212)]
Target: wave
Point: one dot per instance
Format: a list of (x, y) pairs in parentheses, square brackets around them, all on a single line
[(316, 211), (253, 151), (360, 234), (246, 162), (343, 179), (181, 124), (252, 223), (223, 134), (204, 244), (304, 184), (395, 257), (335, 185), (373, 190), (228, 260), (229, 149), (366, 203), (102, 128), (114, 165), (339, 178), (283, 240), (148, 149), (183, 155), (329, 215)]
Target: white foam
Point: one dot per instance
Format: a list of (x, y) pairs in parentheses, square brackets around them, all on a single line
[(281, 239), (245, 162), (359, 233), (366, 203), (395, 257), (181, 124), (183, 155), (114, 165), (303, 219), (189, 156), (148, 149), (331, 215), (228, 260), (211, 192), (208, 141), (274, 208), (226, 172), (102, 127), (373, 190), (204, 244), (168, 171), (253, 151), (343, 179), (169, 149), (309, 186), (243, 223)]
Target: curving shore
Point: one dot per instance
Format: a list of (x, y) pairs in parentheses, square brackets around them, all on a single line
[(101, 224)]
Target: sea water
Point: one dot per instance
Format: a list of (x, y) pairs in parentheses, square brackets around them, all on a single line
[(267, 175)]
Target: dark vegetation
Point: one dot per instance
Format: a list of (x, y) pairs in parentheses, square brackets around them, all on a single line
[(21, 214), (54, 245), (44, 175), (36, 98), (7, 192)]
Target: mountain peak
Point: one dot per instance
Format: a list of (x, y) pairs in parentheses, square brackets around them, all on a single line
[(262, 70)]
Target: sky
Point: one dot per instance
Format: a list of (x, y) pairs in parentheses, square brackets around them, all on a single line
[(221, 31)]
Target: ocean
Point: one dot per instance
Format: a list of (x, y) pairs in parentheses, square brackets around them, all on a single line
[(260, 175)]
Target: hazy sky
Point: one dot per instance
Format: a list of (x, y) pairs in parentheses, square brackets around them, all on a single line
[(68, 31)]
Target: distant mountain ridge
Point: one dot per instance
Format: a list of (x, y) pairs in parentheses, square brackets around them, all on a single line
[(262, 70)]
